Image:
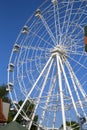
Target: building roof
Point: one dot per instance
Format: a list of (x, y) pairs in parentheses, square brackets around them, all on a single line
[(13, 126)]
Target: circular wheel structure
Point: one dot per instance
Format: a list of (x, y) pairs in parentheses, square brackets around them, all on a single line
[(47, 70)]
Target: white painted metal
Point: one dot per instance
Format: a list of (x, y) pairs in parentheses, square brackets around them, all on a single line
[(43, 86), (68, 86), (31, 90), (74, 85), (61, 90), (52, 83), (48, 66), (48, 29)]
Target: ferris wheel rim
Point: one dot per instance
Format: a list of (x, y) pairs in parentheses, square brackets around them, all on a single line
[(35, 56)]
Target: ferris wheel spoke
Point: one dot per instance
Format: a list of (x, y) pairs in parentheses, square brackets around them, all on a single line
[(73, 30), (79, 34), (83, 22), (56, 20), (65, 15), (83, 11), (32, 59), (59, 23), (75, 49), (34, 22), (76, 13), (41, 38), (36, 49), (76, 25), (78, 83), (74, 85), (70, 13), (76, 36), (78, 62), (48, 29), (77, 53), (76, 44)]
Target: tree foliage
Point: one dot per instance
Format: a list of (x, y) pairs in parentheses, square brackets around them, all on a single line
[(28, 108), (4, 93), (72, 124)]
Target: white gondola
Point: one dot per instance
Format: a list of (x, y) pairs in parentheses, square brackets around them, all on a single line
[(38, 13), (54, 1), (15, 102), (25, 30), (11, 67), (8, 89), (10, 86), (12, 109), (16, 48)]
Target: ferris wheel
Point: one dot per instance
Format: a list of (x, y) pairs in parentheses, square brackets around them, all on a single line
[(48, 66)]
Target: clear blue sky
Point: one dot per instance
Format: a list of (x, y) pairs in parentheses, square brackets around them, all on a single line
[(13, 15)]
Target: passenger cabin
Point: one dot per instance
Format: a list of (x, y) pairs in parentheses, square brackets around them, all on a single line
[(10, 86), (15, 102), (16, 48), (54, 2), (11, 67), (38, 13), (25, 30)]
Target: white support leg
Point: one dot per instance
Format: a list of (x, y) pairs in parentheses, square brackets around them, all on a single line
[(80, 87), (43, 86), (32, 89), (52, 83), (61, 91), (74, 85), (68, 86)]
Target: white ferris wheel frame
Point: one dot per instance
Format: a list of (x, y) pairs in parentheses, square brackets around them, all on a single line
[(59, 54)]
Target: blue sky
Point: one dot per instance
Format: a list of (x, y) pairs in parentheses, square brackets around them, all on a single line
[(13, 15)]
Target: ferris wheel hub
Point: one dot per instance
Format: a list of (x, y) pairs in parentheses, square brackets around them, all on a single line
[(59, 49)]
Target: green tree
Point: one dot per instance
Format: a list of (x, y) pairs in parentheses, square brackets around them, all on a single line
[(73, 124), (28, 108), (4, 93)]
